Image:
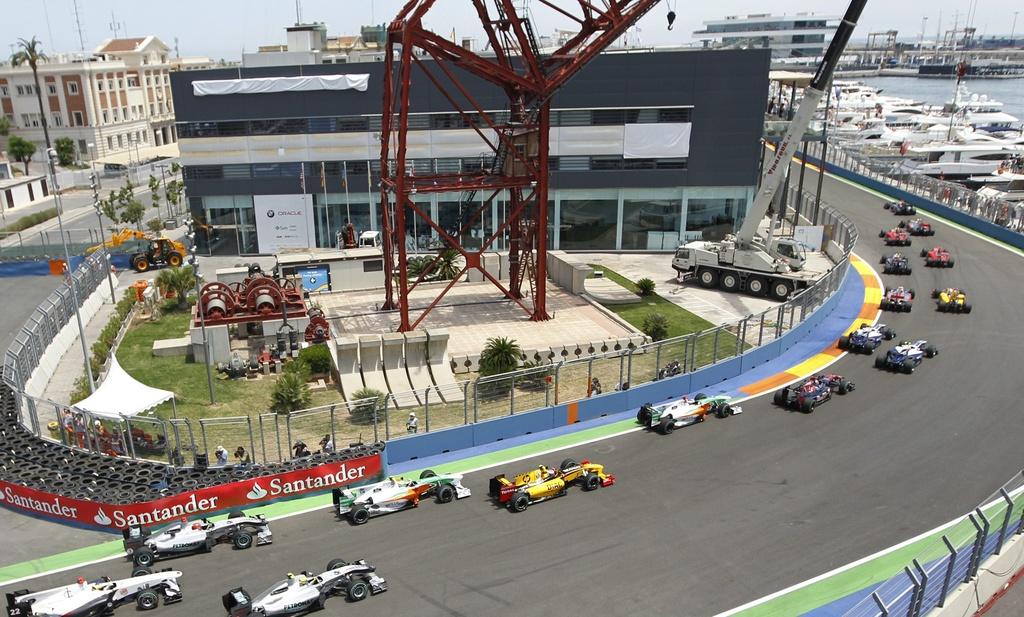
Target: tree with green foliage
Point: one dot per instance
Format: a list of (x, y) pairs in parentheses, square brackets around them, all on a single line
[(133, 213), (500, 355), (154, 188), (108, 207), (31, 53), (65, 148), (179, 280), (5, 126), (21, 150), (655, 325), (290, 393), (318, 357), (362, 404), (154, 225), (172, 192)]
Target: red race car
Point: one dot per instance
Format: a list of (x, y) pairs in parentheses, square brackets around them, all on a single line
[(899, 299), (895, 237), (937, 257), (918, 227)]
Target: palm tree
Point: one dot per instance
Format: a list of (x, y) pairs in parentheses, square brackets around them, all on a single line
[(178, 280), (290, 393), (500, 355), (30, 53), (447, 265)]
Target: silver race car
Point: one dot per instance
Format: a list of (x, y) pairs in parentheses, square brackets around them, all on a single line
[(304, 593), (99, 597), (238, 529)]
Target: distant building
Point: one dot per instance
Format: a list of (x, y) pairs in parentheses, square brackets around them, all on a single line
[(115, 100), (195, 63), (788, 36)]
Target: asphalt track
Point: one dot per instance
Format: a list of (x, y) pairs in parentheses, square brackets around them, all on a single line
[(716, 515)]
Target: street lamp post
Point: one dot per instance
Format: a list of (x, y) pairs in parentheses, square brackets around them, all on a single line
[(194, 262), (52, 156), (94, 185), (93, 153), (163, 183)]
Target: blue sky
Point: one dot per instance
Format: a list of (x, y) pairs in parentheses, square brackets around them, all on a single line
[(221, 28)]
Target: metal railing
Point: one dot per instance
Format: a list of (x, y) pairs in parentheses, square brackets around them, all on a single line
[(989, 209), (950, 559)]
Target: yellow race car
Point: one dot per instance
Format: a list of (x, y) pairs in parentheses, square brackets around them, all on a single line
[(951, 300), (543, 483)]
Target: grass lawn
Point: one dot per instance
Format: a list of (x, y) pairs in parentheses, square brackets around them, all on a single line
[(680, 320)]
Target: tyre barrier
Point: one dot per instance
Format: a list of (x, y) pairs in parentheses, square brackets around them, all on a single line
[(63, 473)]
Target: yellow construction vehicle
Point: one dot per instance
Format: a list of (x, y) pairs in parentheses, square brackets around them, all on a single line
[(159, 251)]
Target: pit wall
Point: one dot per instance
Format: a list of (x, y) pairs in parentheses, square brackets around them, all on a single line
[(528, 423), (951, 214)]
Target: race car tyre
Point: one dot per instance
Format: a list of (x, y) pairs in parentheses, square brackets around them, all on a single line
[(236, 514), (144, 557), (967, 308), (924, 253), (844, 342), (666, 426), (147, 600), (242, 540), (912, 211), (884, 259), (888, 333), (427, 473), (879, 362), (930, 351), (908, 271), (756, 286), (700, 396), (644, 416), (949, 264), (334, 564), (359, 516), (881, 234), (357, 590), (707, 278), (568, 464), (903, 224), (935, 293), (844, 387), (884, 305), (807, 407), (723, 410), (519, 502), (780, 397), (445, 494), (141, 572), (730, 281), (907, 367), (591, 482)]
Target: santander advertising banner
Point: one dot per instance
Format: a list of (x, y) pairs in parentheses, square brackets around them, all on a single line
[(201, 502)]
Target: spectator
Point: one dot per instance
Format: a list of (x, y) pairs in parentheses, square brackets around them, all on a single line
[(67, 423), (595, 386), (222, 455), (241, 456), (300, 450), (413, 424), (327, 444)]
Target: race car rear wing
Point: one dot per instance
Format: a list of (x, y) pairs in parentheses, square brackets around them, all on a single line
[(16, 609), (501, 488), (135, 537), (237, 602)]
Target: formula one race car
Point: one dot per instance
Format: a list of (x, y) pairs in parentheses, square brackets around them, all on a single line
[(898, 299), (396, 494), (900, 208), (895, 237), (937, 257), (238, 529), (811, 392), (906, 356), (897, 263), (543, 483), (951, 300), (305, 593), (918, 227), (684, 412), (866, 338), (99, 597)]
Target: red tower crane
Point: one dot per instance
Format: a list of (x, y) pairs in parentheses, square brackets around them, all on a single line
[(517, 140)]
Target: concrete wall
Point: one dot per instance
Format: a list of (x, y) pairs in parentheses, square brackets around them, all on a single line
[(499, 429), (567, 275)]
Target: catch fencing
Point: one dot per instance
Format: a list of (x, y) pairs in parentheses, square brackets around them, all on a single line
[(271, 437), (951, 558)]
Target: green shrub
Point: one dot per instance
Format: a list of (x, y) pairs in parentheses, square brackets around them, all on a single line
[(500, 355), (81, 391), (363, 402), (298, 367), (645, 286), (318, 357), (291, 393), (655, 325), (155, 225), (31, 220)]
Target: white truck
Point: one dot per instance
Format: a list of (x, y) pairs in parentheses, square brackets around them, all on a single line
[(745, 261)]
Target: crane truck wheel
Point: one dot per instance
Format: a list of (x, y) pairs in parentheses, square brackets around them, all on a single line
[(730, 281), (756, 286), (707, 277), (140, 264), (174, 260), (780, 290)]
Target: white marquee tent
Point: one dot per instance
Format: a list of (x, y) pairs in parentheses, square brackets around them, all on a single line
[(121, 396)]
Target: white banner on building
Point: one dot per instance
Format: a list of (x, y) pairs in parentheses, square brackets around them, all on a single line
[(809, 236), (284, 222), (657, 141), (267, 85)]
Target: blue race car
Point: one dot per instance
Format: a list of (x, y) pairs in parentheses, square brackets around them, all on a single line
[(897, 263), (867, 338), (813, 391), (906, 356)]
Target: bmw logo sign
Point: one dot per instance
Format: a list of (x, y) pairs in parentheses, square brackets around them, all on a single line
[(270, 214)]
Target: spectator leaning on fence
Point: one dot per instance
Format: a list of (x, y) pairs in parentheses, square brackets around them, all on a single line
[(241, 456)]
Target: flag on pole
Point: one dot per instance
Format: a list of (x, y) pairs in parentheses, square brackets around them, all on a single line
[(302, 177), (323, 178), (344, 175)]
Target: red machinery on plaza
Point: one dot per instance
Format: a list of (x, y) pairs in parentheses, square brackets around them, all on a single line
[(518, 145)]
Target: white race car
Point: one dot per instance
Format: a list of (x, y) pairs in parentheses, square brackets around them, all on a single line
[(684, 412), (99, 597), (238, 529), (305, 593), (394, 494)]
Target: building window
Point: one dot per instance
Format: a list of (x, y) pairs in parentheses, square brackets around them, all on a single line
[(149, 80), (114, 112), (714, 217), (99, 85), (73, 88), (26, 120), (133, 82), (120, 142), (20, 90), (58, 120), (78, 119), (651, 224), (83, 148), (110, 84), (120, 84), (152, 109), (106, 117), (589, 223), (4, 91), (110, 143), (124, 113), (51, 89)]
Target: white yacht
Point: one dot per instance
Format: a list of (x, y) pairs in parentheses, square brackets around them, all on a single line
[(960, 160)]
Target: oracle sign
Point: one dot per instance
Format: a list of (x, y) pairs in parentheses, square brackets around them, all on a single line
[(201, 502)]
